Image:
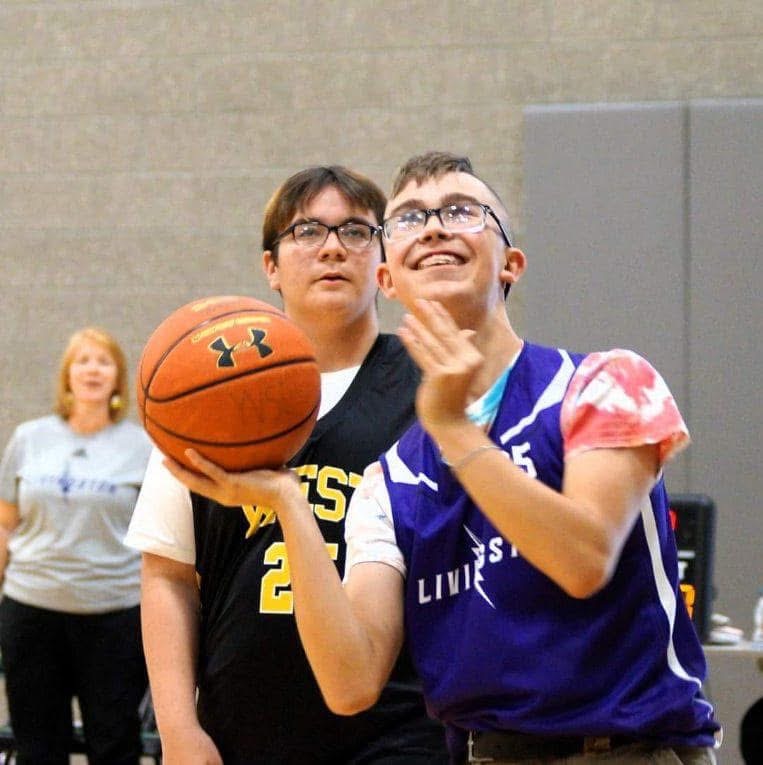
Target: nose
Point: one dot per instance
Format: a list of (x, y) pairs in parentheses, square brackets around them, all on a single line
[(333, 248), (433, 228)]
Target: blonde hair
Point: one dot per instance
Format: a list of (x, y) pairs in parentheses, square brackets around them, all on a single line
[(64, 400)]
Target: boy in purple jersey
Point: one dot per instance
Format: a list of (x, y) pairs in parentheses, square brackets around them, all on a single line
[(518, 533)]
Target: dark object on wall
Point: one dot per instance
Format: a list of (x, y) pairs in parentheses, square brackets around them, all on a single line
[(693, 519)]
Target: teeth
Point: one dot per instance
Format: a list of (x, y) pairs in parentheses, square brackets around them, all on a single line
[(439, 259)]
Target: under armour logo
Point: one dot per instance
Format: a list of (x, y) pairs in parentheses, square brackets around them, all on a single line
[(225, 351)]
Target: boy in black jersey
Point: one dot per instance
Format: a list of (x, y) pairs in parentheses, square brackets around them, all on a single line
[(233, 635)]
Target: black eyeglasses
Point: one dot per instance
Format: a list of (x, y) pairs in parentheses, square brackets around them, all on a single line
[(463, 217), (353, 235)]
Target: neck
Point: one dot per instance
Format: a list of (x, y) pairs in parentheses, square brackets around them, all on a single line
[(86, 418), (338, 346), (499, 344)]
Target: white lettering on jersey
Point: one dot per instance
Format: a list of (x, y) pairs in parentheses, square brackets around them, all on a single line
[(468, 576)]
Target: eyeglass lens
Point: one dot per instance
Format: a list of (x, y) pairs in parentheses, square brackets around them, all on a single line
[(458, 217), (354, 236)]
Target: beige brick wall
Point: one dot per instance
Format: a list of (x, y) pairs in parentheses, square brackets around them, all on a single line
[(140, 139)]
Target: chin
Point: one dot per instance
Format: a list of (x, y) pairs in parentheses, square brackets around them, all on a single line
[(445, 290)]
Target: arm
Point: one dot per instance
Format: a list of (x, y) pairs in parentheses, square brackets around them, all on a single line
[(351, 635), (574, 536), (162, 529), (169, 614), (9, 520)]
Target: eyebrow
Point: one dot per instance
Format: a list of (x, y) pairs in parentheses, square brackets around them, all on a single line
[(419, 204), (350, 219)]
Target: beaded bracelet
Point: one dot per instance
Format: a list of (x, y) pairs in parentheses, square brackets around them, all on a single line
[(469, 456)]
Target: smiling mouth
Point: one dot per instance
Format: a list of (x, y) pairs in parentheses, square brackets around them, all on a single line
[(439, 259)]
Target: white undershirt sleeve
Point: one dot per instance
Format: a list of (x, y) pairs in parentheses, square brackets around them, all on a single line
[(162, 522), (369, 528)]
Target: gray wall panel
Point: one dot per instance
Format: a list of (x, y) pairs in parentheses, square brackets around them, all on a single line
[(644, 228), (604, 195), (726, 161)]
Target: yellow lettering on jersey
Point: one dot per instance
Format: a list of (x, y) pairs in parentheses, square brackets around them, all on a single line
[(309, 472), (257, 516), (327, 482), (275, 593), (325, 491)]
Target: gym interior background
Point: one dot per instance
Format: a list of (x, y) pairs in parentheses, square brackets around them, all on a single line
[(140, 140)]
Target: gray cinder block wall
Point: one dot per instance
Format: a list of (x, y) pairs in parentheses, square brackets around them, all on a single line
[(140, 139)]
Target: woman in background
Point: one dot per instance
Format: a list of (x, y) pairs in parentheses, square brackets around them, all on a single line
[(69, 617)]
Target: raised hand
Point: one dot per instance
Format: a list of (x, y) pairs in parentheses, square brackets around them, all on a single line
[(449, 362)]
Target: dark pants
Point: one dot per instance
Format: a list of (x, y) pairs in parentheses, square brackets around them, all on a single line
[(51, 656)]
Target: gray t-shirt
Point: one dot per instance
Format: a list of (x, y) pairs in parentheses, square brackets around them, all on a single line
[(75, 494)]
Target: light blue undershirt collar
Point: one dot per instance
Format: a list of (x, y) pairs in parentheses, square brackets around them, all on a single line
[(483, 411)]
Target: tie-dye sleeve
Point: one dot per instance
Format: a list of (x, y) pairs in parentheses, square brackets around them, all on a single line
[(618, 399)]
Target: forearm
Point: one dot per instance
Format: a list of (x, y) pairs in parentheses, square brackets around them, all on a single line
[(170, 619), (351, 647), (566, 534), (350, 660)]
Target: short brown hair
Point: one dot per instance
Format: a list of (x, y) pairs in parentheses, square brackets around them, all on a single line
[(63, 401), (433, 164), (302, 187)]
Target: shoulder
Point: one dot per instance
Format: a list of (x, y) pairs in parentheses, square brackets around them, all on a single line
[(388, 373), (128, 434), (619, 372), (130, 427), (131, 430), (392, 351), (617, 398), (48, 425), (413, 460)]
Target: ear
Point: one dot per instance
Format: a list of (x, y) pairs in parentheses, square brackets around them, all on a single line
[(384, 280), (270, 267), (514, 265)]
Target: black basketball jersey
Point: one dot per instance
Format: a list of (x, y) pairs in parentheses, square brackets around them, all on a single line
[(258, 698)]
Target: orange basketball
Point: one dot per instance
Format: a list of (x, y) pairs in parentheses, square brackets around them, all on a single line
[(233, 378)]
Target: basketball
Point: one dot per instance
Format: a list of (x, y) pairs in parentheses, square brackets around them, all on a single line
[(232, 377)]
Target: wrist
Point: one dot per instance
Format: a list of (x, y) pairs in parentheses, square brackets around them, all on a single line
[(472, 456), (456, 443)]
